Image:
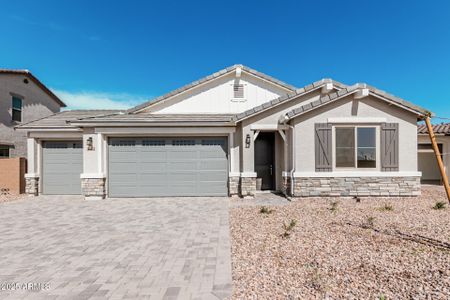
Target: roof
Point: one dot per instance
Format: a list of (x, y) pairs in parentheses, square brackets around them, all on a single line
[(62, 119), (36, 81), (209, 78), (443, 128), (332, 97), (283, 99), (156, 118)]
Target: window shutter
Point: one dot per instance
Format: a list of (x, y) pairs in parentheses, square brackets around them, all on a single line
[(389, 147), (323, 146)]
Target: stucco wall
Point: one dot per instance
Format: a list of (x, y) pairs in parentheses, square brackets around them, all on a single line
[(217, 97), (35, 104), (430, 165), (368, 107)]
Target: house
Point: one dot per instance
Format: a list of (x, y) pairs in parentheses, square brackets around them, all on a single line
[(23, 98), (427, 159), (232, 133)]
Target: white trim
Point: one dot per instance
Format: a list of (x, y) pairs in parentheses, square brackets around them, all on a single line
[(59, 135), (248, 174), (356, 174), (93, 198), (255, 135), (273, 127), (285, 174), (356, 120), (31, 175), (92, 175), (234, 174)]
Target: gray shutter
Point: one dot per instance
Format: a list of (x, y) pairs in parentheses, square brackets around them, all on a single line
[(323, 146), (389, 147)]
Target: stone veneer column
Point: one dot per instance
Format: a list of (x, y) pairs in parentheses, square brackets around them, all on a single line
[(286, 185), (31, 185), (93, 188), (248, 186), (403, 186), (233, 185)]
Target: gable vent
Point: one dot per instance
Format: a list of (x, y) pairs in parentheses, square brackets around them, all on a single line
[(238, 90)]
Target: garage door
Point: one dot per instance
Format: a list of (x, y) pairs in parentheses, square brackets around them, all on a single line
[(61, 168), (152, 167)]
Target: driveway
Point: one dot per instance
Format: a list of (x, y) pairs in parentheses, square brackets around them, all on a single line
[(63, 247)]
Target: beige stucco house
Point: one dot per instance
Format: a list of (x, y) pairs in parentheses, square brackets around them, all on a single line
[(233, 133), (23, 98)]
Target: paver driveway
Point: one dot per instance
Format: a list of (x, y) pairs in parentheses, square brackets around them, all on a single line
[(173, 248)]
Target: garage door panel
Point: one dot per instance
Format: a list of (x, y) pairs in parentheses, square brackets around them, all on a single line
[(62, 166), (168, 167), (124, 178)]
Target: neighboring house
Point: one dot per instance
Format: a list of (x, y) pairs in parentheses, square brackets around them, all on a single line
[(427, 159), (23, 98), (231, 133)]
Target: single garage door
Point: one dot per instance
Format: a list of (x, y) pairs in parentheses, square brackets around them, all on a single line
[(61, 168), (154, 167)]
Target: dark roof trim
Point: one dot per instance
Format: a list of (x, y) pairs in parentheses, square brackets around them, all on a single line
[(36, 81), (283, 99), (441, 129), (209, 78), (332, 97)]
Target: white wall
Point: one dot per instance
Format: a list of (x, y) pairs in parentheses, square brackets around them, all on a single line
[(368, 107), (217, 96)]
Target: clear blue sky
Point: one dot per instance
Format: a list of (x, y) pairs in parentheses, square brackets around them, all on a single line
[(97, 53)]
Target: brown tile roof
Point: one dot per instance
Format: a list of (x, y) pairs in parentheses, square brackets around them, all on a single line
[(443, 128), (36, 81)]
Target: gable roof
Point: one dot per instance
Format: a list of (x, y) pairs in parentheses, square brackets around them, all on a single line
[(36, 81), (332, 97), (443, 128), (207, 79), (285, 98)]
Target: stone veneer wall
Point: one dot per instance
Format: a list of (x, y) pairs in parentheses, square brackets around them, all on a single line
[(93, 187), (286, 185), (357, 186), (32, 185), (248, 186), (233, 185)]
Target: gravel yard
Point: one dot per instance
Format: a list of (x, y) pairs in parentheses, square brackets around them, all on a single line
[(378, 248), (10, 197)]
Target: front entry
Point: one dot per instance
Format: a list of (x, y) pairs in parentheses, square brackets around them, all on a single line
[(264, 159)]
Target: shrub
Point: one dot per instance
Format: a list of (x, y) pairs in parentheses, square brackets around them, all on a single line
[(265, 210), (439, 205), (334, 206), (387, 207), (288, 228), (369, 223)]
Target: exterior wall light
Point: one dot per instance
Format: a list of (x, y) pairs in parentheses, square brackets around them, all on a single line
[(90, 144), (247, 141)]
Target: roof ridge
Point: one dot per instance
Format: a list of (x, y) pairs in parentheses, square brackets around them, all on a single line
[(206, 79)]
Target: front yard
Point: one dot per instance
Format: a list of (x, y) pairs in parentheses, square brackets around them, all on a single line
[(338, 247)]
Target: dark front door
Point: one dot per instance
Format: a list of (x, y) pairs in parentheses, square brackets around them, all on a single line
[(264, 159)]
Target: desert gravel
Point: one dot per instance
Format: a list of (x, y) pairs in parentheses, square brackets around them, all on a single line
[(378, 248)]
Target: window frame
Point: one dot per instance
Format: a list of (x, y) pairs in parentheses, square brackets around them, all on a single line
[(8, 149), (13, 97), (355, 132)]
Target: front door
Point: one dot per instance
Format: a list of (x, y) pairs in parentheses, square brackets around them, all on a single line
[(264, 159)]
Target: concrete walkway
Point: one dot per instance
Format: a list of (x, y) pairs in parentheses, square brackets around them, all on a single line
[(69, 248)]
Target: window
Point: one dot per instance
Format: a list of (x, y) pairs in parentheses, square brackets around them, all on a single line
[(4, 151), (16, 109), (238, 90), (356, 147)]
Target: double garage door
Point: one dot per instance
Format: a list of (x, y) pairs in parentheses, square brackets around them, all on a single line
[(152, 167)]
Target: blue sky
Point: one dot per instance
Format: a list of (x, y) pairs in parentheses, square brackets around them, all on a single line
[(119, 53)]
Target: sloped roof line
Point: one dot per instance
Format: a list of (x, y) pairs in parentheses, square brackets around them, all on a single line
[(289, 96), (443, 128), (36, 81), (209, 78), (329, 98)]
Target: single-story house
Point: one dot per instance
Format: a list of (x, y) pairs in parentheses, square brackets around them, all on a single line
[(427, 159), (232, 133)]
